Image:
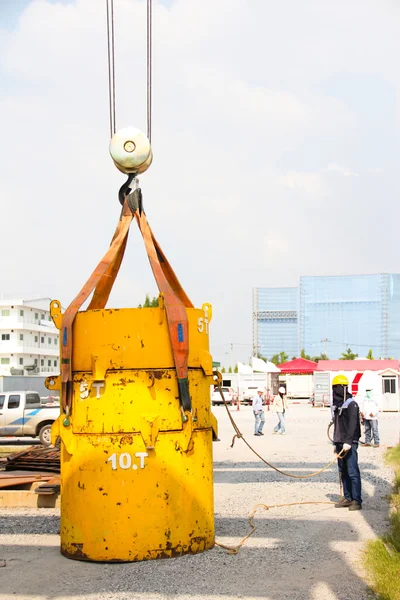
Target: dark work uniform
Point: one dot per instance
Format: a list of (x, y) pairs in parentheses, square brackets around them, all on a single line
[(347, 430)]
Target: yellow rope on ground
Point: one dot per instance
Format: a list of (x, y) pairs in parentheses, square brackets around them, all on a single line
[(235, 549)]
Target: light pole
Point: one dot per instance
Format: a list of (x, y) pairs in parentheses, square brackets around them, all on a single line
[(324, 341)]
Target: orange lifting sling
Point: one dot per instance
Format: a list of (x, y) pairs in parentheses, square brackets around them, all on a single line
[(102, 280)]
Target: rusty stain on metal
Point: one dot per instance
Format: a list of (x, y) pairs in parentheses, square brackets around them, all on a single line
[(78, 553), (126, 439), (152, 379)]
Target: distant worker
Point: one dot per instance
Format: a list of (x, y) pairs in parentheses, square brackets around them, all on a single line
[(346, 434), (279, 406), (369, 412), (258, 412)]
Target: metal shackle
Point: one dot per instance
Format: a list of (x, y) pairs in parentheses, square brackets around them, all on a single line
[(131, 151)]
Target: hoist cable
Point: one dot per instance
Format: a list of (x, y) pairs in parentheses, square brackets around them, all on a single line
[(111, 64), (149, 65)]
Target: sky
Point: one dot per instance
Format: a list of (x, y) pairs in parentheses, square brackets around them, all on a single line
[(275, 141)]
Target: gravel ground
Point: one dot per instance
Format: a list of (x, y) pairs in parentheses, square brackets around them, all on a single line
[(309, 552)]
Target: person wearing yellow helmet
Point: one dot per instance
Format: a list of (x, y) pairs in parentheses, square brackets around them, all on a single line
[(340, 380), (346, 435)]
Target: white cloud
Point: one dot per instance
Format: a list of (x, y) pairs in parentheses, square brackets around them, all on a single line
[(309, 182), (251, 124), (333, 167)]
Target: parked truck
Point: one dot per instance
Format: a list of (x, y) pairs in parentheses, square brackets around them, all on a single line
[(23, 415), (298, 387)]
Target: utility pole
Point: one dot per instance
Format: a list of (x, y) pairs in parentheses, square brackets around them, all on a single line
[(324, 341)]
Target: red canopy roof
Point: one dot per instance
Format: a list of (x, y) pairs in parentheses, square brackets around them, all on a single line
[(357, 365), (299, 365)]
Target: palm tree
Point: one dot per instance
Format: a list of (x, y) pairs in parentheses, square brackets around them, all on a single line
[(348, 355)]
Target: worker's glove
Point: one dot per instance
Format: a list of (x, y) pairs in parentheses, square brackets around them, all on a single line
[(346, 447)]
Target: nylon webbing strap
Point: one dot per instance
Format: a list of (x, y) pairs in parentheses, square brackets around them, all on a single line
[(104, 287), (101, 282)]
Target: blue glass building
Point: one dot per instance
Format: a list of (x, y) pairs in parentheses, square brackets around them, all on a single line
[(329, 314), (275, 324)]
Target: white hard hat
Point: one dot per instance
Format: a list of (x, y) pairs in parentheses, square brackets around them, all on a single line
[(282, 390)]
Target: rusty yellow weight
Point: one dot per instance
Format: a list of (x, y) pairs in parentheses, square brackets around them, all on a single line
[(136, 473)]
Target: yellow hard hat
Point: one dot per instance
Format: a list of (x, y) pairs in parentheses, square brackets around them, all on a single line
[(340, 380)]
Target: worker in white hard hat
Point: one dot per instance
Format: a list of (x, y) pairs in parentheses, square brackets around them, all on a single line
[(280, 406), (369, 413), (258, 411)]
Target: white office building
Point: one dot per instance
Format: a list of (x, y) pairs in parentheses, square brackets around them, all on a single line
[(29, 341)]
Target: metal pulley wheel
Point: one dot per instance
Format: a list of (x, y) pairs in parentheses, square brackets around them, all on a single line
[(131, 151)]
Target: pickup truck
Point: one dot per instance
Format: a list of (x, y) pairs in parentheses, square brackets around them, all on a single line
[(249, 394), (216, 396), (22, 414)]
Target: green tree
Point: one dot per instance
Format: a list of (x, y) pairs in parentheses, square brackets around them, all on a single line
[(284, 357), (370, 355), (280, 358), (348, 355), (322, 356), (236, 369), (294, 357), (230, 370), (304, 355), (153, 303), (223, 370), (259, 355)]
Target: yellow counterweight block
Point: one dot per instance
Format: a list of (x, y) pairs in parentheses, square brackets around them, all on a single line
[(136, 473)]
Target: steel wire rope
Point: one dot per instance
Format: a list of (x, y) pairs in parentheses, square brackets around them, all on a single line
[(111, 64), (149, 65)]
